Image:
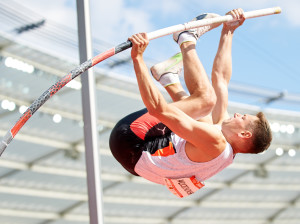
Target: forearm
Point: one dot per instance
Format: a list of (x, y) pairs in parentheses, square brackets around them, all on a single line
[(152, 98), (222, 67), (221, 74)]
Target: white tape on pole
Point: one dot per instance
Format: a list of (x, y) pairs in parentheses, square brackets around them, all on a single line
[(204, 22)]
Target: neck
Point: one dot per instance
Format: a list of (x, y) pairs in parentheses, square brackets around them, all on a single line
[(234, 149), (235, 143)]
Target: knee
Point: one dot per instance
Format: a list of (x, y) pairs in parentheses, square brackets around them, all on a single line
[(207, 100), (210, 100)]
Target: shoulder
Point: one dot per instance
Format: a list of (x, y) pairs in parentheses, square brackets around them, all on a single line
[(207, 150), (220, 141), (214, 139)]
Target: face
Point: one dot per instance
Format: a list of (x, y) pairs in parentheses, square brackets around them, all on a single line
[(239, 122)]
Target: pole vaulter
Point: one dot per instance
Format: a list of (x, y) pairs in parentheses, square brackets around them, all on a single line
[(119, 48)]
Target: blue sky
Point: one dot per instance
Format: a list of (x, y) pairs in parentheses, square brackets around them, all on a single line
[(265, 50)]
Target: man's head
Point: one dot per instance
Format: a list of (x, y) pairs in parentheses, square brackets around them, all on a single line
[(262, 134), (248, 133)]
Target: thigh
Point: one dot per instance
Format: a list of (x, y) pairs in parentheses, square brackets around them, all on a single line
[(191, 106)]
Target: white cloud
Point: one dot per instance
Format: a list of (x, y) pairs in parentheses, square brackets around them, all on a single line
[(112, 20), (60, 11), (290, 9), (164, 8), (250, 5)]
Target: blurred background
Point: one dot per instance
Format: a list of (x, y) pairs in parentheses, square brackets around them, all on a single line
[(42, 172)]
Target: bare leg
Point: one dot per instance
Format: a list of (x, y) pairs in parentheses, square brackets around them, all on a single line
[(202, 96), (176, 92), (195, 76)]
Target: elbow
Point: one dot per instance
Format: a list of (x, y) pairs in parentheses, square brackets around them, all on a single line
[(158, 110), (152, 112), (219, 77), (153, 108), (155, 113)]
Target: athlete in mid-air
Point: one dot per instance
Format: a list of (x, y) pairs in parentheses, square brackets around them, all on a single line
[(183, 143)]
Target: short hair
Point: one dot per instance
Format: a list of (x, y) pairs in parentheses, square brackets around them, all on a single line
[(261, 133)]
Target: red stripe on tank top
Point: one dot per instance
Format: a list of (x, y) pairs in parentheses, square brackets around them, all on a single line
[(143, 124)]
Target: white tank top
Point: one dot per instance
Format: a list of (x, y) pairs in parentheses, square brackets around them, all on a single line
[(178, 165)]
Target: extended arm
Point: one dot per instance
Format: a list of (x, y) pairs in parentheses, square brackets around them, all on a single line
[(152, 98), (222, 67)]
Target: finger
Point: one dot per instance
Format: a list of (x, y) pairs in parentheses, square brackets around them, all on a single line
[(243, 14), (240, 13), (234, 14), (137, 38), (130, 39), (145, 36), (231, 13), (142, 39), (134, 39)]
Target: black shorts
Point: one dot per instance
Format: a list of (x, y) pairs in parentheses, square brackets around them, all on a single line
[(136, 133)]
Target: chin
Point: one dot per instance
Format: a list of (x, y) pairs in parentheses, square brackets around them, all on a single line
[(223, 124), (226, 121)]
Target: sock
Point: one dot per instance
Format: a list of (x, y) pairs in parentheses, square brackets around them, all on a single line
[(169, 79), (185, 37)]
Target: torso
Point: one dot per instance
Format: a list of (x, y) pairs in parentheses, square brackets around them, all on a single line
[(178, 165)]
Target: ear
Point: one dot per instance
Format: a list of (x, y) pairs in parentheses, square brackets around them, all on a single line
[(245, 134)]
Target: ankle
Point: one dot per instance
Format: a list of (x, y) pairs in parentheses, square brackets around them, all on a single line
[(169, 79), (186, 37), (187, 46)]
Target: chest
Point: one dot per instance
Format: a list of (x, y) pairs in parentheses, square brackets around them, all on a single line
[(200, 155)]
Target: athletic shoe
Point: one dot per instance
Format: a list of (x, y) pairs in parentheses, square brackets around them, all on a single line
[(197, 32), (172, 65)]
